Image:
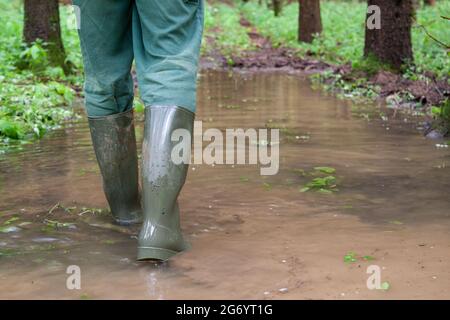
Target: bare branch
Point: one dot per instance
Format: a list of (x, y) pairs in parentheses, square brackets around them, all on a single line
[(431, 36)]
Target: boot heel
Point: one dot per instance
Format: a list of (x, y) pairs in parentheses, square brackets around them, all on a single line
[(150, 253)]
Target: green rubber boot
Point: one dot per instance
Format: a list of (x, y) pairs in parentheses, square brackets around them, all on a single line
[(114, 143), (160, 237)]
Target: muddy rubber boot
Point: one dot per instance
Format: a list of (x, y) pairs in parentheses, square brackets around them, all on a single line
[(114, 143), (162, 180)]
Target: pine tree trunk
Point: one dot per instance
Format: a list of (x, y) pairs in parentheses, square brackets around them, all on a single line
[(391, 44), (41, 21), (309, 22)]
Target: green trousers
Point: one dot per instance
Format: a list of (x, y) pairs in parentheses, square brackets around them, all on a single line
[(163, 37)]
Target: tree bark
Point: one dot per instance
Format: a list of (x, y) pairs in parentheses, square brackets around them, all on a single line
[(41, 21), (309, 22), (391, 44), (277, 7)]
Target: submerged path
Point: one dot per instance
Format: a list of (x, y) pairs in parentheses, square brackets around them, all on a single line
[(253, 237)]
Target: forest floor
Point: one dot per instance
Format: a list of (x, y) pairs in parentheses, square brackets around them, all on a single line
[(252, 236), (293, 235), (421, 92), (284, 59), (35, 97)]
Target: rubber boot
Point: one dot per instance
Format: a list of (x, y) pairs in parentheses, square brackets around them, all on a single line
[(162, 180), (114, 143)]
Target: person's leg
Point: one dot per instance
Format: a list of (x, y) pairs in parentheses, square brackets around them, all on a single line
[(167, 38), (107, 47)]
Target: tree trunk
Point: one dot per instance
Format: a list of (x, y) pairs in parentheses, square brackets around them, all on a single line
[(430, 2), (391, 43), (309, 22), (277, 7), (41, 21)]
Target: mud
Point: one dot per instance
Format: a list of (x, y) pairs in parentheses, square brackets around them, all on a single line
[(426, 91)]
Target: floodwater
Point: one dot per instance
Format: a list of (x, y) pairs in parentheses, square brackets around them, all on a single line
[(252, 236)]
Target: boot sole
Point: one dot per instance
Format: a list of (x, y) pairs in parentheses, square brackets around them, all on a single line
[(152, 253), (127, 223)]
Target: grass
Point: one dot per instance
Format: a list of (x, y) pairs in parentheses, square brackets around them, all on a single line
[(222, 25), (342, 40), (34, 96), (322, 180)]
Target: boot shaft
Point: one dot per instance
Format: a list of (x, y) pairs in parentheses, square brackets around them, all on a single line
[(114, 143)]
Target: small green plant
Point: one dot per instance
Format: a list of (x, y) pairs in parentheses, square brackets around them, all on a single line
[(442, 112), (385, 286), (85, 296), (324, 185), (300, 172), (8, 252), (34, 96), (352, 257), (33, 57), (267, 186), (442, 117), (323, 181), (54, 224), (370, 64), (222, 23), (342, 39), (327, 170), (139, 106), (230, 106), (11, 220), (108, 241), (11, 129)]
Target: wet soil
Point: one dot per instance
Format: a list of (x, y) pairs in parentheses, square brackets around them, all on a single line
[(426, 91), (252, 237)]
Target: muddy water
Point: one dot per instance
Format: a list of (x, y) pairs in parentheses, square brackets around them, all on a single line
[(252, 237)]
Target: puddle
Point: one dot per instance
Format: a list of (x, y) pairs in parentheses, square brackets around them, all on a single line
[(253, 237)]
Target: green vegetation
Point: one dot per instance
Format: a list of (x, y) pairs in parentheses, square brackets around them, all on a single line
[(54, 224), (442, 117), (321, 184), (351, 257), (327, 170), (8, 225), (356, 89), (267, 186), (341, 43), (223, 27), (34, 97), (322, 181), (342, 40)]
